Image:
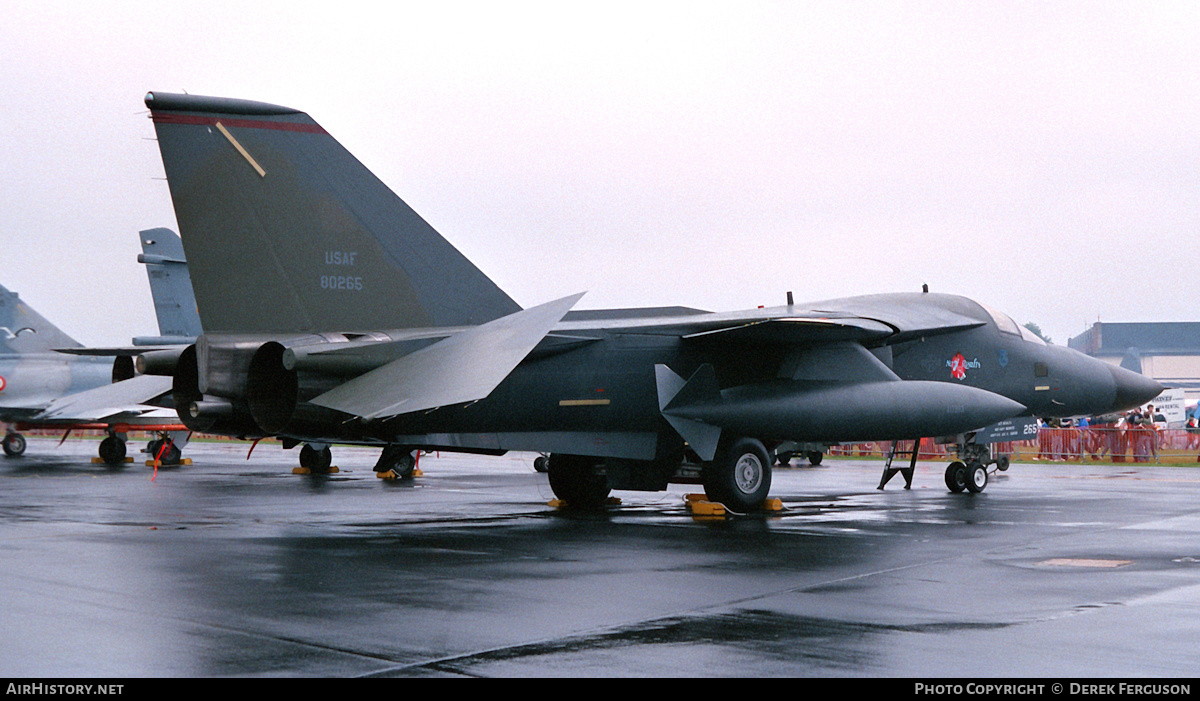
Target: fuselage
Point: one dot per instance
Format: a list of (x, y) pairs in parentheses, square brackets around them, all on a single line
[(31, 381), (288, 235), (591, 384)]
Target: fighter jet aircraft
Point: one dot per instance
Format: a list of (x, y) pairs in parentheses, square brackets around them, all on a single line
[(49, 380), (32, 374), (333, 313)]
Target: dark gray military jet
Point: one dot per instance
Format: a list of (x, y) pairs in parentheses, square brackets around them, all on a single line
[(333, 313)]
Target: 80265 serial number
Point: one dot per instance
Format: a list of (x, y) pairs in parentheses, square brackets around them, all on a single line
[(341, 282)]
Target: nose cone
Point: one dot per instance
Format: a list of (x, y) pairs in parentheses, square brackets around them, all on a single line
[(1132, 389)]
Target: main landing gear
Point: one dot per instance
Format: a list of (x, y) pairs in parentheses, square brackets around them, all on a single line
[(165, 450), (316, 459), (814, 457), (578, 480), (112, 449), (14, 444), (397, 460), (738, 476)]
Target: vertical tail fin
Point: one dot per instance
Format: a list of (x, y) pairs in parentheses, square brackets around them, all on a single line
[(1132, 360), (170, 285), (285, 231), (23, 331)]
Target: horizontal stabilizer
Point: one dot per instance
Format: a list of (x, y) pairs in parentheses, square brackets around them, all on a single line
[(462, 368), (129, 397), (132, 350)]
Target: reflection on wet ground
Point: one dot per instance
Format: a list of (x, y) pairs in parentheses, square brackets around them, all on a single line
[(236, 567)]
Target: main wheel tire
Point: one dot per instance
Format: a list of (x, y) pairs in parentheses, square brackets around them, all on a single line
[(112, 451), (976, 477), (739, 475), (317, 461), (956, 476), (172, 454), (397, 459), (574, 479), (14, 445), (404, 465), (815, 457)]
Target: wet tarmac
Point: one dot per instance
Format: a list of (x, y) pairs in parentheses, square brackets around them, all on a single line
[(234, 567)]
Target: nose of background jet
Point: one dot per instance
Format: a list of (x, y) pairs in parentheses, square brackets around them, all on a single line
[(1132, 389)]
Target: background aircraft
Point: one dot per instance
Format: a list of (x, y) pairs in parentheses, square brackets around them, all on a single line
[(49, 380), (32, 374), (334, 314), (170, 288)]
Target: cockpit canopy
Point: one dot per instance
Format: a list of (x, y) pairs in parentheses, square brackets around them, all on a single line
[(1006, 325)]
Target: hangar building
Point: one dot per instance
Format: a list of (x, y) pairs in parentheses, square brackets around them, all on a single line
[(1166, 351)]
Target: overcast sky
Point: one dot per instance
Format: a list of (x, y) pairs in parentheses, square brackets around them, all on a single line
[(1043, 158)]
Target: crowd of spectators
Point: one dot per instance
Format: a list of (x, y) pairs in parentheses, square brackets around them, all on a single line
[(1136, 436)]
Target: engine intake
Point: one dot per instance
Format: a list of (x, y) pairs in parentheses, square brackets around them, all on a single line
[(123, 368)]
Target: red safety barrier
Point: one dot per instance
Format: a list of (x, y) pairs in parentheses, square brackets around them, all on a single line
[(1141, 443), (929, 449), (1104, 442)]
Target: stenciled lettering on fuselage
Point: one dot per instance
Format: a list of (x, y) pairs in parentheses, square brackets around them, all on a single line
[(340, 281), (959, 365)]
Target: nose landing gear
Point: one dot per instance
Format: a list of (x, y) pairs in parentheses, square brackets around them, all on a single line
[(970, 472), (967, 474)]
